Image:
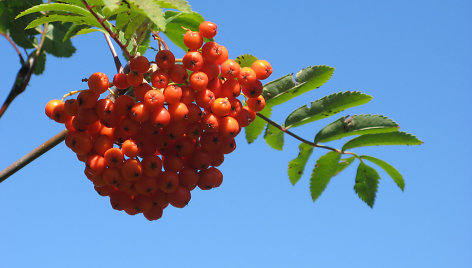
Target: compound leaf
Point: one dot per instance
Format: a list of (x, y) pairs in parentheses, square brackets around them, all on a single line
[(356, 125), (60, 7), (391, 138), (325, 107), (62, 18), (367, 180), (324, 170), (54, 44), (396, 176), (297, 165)]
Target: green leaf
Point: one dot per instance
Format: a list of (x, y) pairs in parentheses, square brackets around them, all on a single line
[(152, 10), (325, 107), (391, 138), (274, 137), (176, 20), (40, 63), (396, 176), (355, 125), (367, 180), (181, 5), (122, 19), (245, 60), (112, 4), (89, 30), (62, 18), (307, 79), (53, 43), (133, 25), (257, 126), (297, 165), (277, 87), (343, 164), (324, 170), (57, 7)]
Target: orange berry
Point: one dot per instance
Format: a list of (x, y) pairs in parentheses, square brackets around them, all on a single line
[(178, 111), (141, 90), (253, 90), (154, 99), (193, 60), (168, 181), (198, 81), (120, 81), (230, 69), (159, 79), (98, 83), (130, 148), (131, 170), (262, 68), (152, 165), (228, 126), (193, 40), (246, 76), (102, 144), (71, 107), (134, 78), (208, 29), (172, 94), (87, 99), (221, 107), (180, 197), (256, 104), (140, 64), (178, 74), (114, 157), (165, 59)]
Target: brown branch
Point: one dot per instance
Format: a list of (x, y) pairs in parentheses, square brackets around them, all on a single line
[(22, 60), (300, 138), (118, 65), (37, 152), (109, 31)]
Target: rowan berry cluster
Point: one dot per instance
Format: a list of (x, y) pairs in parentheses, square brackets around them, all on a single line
[(156, 141)]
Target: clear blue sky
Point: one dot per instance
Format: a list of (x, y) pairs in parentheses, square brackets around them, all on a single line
[(414, 57)]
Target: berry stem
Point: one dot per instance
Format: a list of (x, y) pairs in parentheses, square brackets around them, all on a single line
[(160, 40), (109, 31), (28, 158), (300, 138)]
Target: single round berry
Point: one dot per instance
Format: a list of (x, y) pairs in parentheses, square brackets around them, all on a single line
[(208, 29), (139, 64), (165, 59), (193, 40), (98, 83), (262, 69)]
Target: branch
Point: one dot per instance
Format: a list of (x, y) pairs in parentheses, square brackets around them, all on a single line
[(119, 67), (22, 60), (24, 74), (109, 31), (25, 160), (300, 138)]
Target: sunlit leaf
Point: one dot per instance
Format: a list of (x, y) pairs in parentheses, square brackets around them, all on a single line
[(392, 138), (325, 107), (367, 180), (396, 176), (324, 170), (296, 167), (274, 137), (356, 125), (245, 60)]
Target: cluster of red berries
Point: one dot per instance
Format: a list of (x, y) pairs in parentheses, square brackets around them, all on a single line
[(153, 143)]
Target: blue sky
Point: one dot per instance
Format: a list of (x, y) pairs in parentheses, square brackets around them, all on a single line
[(414, 57)]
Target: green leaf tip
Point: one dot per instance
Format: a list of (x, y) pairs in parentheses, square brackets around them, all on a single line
[(324, 170), (296, 167), (367, 180), (245, 60), (394, 174)]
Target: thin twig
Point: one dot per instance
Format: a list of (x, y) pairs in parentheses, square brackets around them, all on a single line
[(109, 31), (28, 158), (160, 40), (119, 67), (22, 60), (298, 137)]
